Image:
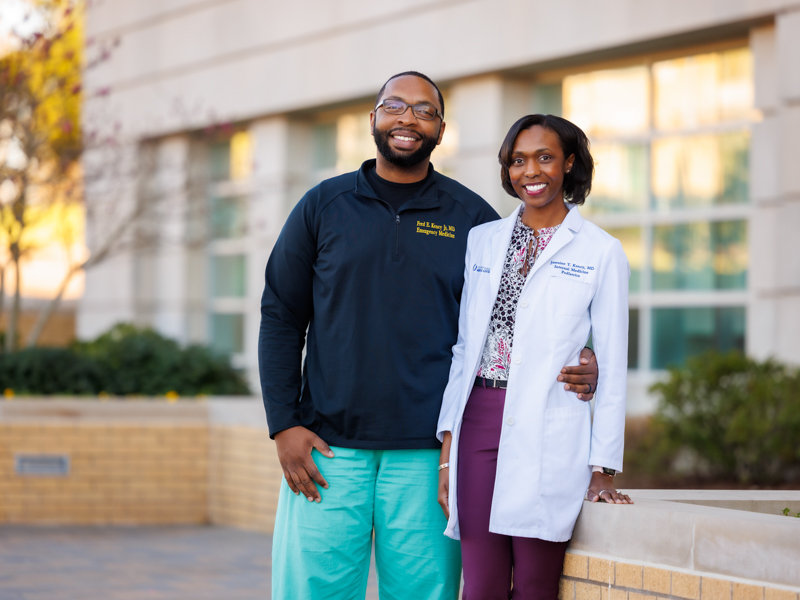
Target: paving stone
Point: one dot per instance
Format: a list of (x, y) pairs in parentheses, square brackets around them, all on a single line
[(134, 563)]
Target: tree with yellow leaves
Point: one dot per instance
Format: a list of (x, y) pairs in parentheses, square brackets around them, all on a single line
[(40, 135)]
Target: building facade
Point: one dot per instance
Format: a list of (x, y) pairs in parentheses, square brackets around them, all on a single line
[(231, 109)]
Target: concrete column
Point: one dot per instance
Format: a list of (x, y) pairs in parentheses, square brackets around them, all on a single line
[(774, 315), (280, 174), (484, 108), (165, 262), (111, 195)]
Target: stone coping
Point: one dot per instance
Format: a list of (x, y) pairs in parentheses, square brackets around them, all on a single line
[(223, 410), (769, 502), (711, 540)]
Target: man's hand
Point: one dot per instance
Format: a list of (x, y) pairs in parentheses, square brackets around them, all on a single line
[(294, 453), (583, 378), (601, 488)]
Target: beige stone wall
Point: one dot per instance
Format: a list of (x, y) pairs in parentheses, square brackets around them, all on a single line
[(591, 578), (121, 474), (244, 478)]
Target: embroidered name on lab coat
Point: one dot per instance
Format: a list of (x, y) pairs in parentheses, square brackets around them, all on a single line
[(571, 270)]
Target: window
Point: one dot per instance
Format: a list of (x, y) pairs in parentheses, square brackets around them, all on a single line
[(671, 141), (682, 332), (227, 333), (228, 276), (229, 169)]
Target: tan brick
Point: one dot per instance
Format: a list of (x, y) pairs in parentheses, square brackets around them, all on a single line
[(715, 589), (635, 596), (629, 576), (576, 565), (743, 591), (601, 570), (566, 590), (587, 591), (613, 593), (773, 594), (656, 580), (686, 586)]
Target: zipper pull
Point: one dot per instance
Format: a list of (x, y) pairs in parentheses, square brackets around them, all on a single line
[(397, 219)]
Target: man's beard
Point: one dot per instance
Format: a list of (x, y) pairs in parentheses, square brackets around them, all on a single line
[(403, 159)]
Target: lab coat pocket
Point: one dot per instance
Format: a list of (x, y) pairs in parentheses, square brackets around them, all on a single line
[(565, 452), (571, 297)]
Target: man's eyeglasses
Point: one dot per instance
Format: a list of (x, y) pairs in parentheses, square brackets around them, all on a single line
[(423, 111)]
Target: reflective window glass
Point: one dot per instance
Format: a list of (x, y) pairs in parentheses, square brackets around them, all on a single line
[(219, 157), (679, 333), (228, 276), (631, 239), (227, 333), (241, 155), (547, 99), (700, 170), (700, 256), (703, 90), (614, 101), (620, 178), (323, 142), (633, 338), (228, 218), (354, 142)]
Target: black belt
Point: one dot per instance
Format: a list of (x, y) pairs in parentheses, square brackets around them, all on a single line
[(491, 383)]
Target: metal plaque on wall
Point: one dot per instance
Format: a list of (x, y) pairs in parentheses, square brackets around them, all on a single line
[(42, 465)]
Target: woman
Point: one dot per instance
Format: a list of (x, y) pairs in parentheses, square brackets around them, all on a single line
[(518, 454)]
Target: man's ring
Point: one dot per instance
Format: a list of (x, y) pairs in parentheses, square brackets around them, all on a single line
[(590, 388)]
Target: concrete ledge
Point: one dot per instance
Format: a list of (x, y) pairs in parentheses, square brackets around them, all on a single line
[(768, 502), (703, 539), (222, 410)]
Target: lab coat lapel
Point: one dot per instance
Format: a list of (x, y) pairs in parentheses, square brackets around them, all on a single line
[(569, 226), (500, 241)]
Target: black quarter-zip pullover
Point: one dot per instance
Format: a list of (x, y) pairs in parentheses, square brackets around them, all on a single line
[(374, 291)]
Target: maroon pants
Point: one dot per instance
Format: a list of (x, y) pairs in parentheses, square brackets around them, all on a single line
[(496, 566)]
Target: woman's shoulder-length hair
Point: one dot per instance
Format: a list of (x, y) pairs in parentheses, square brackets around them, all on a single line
[(578, 182)]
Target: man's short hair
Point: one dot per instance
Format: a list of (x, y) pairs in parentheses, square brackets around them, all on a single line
[(412, 74)]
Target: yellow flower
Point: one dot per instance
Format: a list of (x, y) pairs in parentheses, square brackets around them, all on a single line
[(8, 393), (172, 396)]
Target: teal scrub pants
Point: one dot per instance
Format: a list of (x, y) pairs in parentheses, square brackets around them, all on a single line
[(321, 551)]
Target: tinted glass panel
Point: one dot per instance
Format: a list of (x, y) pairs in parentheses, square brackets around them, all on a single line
[(620, 179), (228, 218), (227, 333), (633, 338), (631, 239), (324, 146), (703, 90), (700, 256), (614, 101), (220, 161), (701, 170), (679, 333), (228, 276)]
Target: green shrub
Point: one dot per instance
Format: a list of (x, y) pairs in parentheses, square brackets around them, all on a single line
[(49, 371), (125, 360), (725, 416)]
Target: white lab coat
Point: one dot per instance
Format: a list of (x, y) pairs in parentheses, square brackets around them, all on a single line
[(578, 285)]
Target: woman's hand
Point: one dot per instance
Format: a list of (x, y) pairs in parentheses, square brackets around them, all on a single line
[(601, 488), (444, 475)]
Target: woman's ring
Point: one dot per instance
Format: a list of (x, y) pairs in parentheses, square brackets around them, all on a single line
[(600, 494)]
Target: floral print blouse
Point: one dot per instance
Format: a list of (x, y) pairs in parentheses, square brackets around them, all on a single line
[(496, 359)]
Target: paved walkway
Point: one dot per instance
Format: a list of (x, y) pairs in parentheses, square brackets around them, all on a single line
[(137, 563)]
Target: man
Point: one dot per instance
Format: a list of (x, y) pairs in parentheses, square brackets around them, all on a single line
[(371, 264)]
